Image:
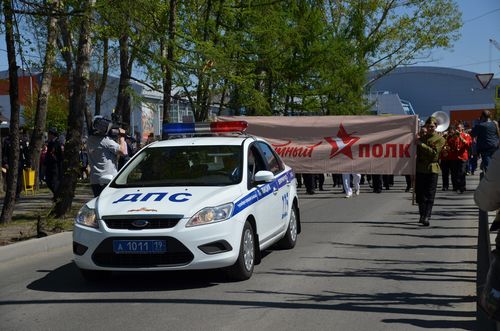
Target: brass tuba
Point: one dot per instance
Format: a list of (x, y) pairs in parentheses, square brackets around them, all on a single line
[(443, 120)]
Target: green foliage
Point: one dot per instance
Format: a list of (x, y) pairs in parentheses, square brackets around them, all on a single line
[(266, 57), (57, 112)]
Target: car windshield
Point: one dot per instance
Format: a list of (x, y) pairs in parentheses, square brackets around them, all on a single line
[(183, 166)]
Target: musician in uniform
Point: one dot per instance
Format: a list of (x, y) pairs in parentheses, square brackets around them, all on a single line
[(460, 143), (429, 145)]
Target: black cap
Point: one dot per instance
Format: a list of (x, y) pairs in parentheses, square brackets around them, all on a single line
[(53, 131)]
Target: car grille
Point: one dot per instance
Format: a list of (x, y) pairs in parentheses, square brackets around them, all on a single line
[(152, 223), (176, 255)]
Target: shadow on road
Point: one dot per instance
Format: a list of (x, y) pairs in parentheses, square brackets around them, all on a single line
[(68, 279), (427, 305), (435, 324), (401, 246)]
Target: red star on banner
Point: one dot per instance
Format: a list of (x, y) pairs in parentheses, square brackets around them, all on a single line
[(342, 143)]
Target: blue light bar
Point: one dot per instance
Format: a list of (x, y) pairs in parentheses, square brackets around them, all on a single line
[(214, 127), (178, 128)]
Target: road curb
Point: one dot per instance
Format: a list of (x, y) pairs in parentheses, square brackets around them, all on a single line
[(35, 246)]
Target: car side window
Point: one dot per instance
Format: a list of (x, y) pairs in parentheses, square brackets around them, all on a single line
[(273, 163), (255, 163)]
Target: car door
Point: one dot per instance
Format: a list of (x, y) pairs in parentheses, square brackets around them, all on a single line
[(281, 188), (265, 209)]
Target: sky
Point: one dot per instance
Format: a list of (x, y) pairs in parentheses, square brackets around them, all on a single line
[(473, 51)]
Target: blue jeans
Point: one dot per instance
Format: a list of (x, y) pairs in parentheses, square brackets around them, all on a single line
[(485, 159)]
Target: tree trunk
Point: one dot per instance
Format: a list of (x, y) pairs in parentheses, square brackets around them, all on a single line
[(71, 165), (269, 92), (122, 109), (204, 82), (36, 142), (287, 104), (222, 103), (12, 174), (235, 102), (65, 45), (168, 69), (104, 78), (211, 91), (1, 163)]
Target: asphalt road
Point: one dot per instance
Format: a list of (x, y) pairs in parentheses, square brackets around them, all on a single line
[(360, 264)]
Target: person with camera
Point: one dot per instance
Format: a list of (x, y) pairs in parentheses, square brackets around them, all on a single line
[(103, 152)]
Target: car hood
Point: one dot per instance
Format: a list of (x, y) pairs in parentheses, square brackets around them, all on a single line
[(184, 201)]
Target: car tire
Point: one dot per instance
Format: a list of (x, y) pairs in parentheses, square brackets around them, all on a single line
[(95, 275), (243, 268), (290, 238)]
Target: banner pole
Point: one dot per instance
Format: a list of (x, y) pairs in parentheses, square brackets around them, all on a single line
[(413, 190)]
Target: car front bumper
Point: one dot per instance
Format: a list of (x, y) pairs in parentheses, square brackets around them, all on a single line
[(208, 246)]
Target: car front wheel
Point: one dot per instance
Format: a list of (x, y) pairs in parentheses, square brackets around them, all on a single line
[(243, 268)]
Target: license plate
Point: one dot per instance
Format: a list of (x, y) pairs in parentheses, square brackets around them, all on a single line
[(139, 246)]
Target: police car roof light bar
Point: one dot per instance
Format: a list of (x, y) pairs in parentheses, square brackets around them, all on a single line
[(233, 126), (214, 127)]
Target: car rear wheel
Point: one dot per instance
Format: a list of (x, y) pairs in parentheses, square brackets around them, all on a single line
[(95, 275), (243, 268), (290, 238)]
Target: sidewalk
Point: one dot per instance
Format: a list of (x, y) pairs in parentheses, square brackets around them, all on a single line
[(29, 203), (28, 207)]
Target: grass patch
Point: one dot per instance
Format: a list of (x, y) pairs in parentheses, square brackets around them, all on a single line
[(32, 220), (37, 224)]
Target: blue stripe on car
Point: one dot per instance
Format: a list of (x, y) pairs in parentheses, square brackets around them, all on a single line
[(261, 192)]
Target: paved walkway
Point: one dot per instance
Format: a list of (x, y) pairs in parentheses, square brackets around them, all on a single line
[(29, 206), (42, 199)]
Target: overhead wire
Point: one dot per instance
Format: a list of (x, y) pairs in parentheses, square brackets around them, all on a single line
[(482, 15)]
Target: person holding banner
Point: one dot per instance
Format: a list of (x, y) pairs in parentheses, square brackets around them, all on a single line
[(429, 145), (308, 183)]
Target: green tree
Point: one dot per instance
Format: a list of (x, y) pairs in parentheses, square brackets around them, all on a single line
[(43, 95), (391, 33), (57, 112), (13, 164), (77, 106)]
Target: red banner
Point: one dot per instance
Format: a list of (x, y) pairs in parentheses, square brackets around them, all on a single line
[(340, 144)]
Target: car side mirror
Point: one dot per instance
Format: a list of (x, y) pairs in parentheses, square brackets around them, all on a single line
[(263, 176), (105, 180)]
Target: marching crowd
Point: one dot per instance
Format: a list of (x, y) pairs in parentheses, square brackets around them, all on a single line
[(454, 153)]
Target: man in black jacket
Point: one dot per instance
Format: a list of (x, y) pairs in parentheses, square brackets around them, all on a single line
[(486, 133)]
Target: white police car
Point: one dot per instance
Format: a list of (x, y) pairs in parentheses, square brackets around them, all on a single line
[(190, 203)]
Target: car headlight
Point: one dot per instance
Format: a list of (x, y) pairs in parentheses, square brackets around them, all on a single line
[(211, 215), (86, 216)]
